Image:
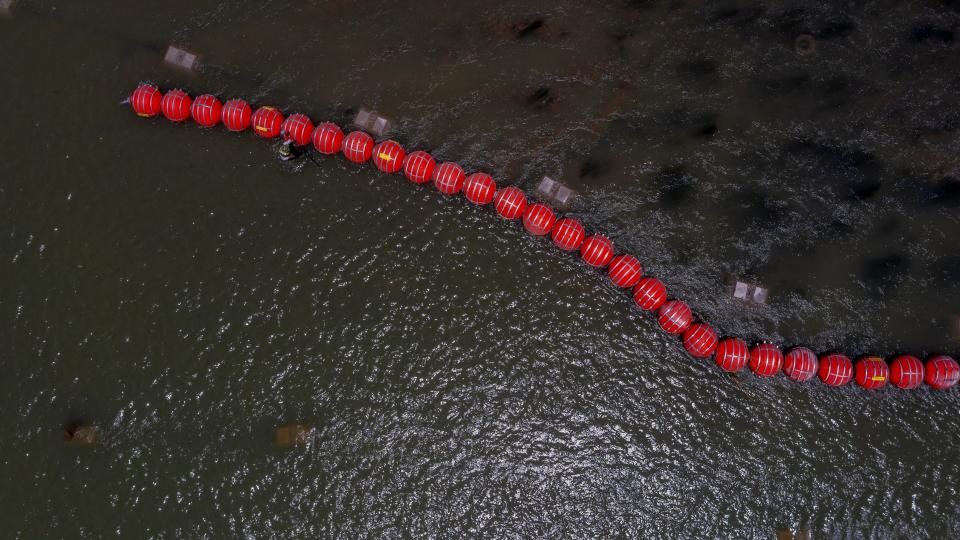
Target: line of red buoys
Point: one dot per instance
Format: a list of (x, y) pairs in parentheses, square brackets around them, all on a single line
[(674, 316)]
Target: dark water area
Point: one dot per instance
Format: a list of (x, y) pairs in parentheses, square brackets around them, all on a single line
[(183, 292)]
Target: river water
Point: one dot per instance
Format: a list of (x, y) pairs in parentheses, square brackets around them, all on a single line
[(183, 292)]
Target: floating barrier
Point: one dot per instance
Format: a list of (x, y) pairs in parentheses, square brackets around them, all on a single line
[(650, 293), (206, 110), (732, 355), (327, 138), (800, 364), (675, 317), (538, 219), (835, 369), (175, 105), (871, 372), (236, 115), (388, 156), (510, 203), (766, 360), (297, 128), (358, 147), (266, 122), (448, 178), (479, 188)]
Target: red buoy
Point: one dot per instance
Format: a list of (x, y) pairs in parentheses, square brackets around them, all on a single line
[(650, 293), (871, 372), (418, 167), (145, 100), (479, 188), (625, 270), (327, 138), (538, 219), (597, 251), (700, 340), (766, 359), (206, 110), (906, 372), (835, 369), (800, 364), (175, 105), (568, 234), (266, 122), (732, 355), (297, 128), (236, 115), (388, 156), (510, 202), (358, 147), (674, 317), (942, 372), (448, 177)]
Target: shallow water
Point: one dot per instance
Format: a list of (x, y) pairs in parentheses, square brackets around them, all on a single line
[(181, 291)]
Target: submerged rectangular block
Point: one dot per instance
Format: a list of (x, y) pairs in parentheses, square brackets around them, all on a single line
[(955, 328), (6, 8), (751, 293), (372, 123), (294, 434), (555, 192), (76, 435), (181, 58)]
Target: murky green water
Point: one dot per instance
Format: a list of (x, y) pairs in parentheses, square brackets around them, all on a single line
[(180, 290)]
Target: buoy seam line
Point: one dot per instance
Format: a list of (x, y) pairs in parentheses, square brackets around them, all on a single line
[(674, 316)]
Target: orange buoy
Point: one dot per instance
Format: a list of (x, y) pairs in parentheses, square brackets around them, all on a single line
[(388, 156), (236, 115), (418, 167), (206, 110), (871, 372), (732, 355), (358, 147), (327, 138), (266, 122), (145, 100), (835, 369), (479, 188), (538, 219), (568, 234), (906, 372), (700, 340), (175, 105), (297, 128), (766, 359), (625, 270), (674, 317), (448, 177), (510, 202), (597, 251)]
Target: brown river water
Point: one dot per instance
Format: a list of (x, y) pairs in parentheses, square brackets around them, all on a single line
[(185, 293)]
